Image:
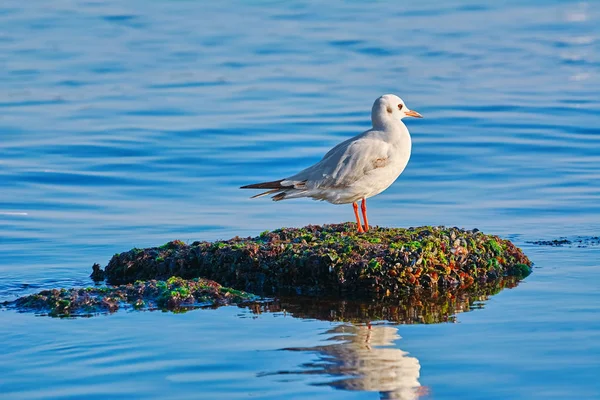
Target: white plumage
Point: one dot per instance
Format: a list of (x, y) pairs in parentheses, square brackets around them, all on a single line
[(358, 168)]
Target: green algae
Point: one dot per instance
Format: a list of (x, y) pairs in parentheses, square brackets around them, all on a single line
[(332, 260), (175, 294)]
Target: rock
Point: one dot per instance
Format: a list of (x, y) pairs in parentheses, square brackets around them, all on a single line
[(579, 241), (332, 260), (97, 272), (418, 306), (174, 294)]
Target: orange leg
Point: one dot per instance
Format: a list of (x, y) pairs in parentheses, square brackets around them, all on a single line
[(355, 206), (363, 207)]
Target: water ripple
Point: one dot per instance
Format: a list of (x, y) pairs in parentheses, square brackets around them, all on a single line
[(131, 124)]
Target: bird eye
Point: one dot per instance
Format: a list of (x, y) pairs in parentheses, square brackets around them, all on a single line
[(400, 106)]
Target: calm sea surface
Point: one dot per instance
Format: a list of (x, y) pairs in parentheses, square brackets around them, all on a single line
[(128, 124)]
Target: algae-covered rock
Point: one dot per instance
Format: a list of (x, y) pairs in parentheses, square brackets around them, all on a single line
[(420, 306), (174, 294), (331, 260)]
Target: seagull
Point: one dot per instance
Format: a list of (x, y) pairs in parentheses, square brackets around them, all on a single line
[(356, 169)]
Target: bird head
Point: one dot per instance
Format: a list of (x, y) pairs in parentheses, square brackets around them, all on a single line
[(390, 106)]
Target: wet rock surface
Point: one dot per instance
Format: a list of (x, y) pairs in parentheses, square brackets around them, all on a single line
[(174, 294), (331, 260), (581, 241)]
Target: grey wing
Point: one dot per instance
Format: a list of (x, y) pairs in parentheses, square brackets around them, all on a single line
[(345, 164)]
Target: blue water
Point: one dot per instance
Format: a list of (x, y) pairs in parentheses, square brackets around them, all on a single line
[(128, 124)]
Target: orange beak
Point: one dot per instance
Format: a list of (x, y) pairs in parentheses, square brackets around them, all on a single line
[(412, 113)]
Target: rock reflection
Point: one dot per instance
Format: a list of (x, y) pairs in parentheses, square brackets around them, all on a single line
[(366, 358), (418, 307)]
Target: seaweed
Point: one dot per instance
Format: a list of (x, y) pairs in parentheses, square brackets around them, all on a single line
[(175, 294), (331, 260)]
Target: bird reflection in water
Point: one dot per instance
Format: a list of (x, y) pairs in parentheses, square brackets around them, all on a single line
[(366, 358)]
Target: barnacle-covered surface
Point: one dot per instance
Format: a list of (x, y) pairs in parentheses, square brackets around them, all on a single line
[(174, 294), (331, 260)]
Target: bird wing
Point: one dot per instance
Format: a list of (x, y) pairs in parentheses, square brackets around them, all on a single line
[(346, 163)]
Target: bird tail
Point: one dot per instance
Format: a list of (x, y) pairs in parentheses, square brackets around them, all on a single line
[(266, 185), (265, 193), (276, 186)]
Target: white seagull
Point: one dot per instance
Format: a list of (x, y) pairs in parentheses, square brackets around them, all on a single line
[(359, 168)]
